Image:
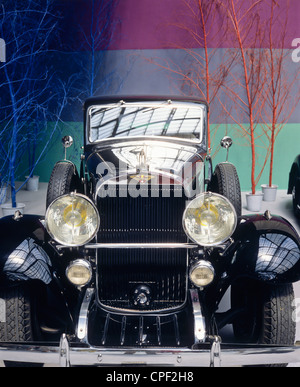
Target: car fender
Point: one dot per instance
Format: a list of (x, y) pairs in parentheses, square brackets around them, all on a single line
[(294, 174), (22, 253), (268, 249)]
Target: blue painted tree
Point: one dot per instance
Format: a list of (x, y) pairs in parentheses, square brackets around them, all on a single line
[(28, 85), (96, 35)]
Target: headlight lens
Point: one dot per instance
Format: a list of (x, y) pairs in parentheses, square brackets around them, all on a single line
[(202, 273), (72, 220), (209, 219), (79, 272)]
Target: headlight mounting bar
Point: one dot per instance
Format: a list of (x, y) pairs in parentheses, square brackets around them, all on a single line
[(135, 246)]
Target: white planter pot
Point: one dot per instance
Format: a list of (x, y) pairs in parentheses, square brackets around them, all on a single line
[(32, 183), (7, 208), (269, 192), (254, 201)]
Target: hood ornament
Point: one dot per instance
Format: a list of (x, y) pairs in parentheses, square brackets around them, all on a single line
[(142, 162), (142, 168), (142, 178)]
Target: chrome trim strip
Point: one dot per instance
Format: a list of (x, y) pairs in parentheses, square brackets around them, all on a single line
[(199, 320), (135, 246), (215, 352), (82, 327), (66, 354)]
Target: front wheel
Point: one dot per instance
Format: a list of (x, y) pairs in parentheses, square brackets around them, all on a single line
[(16, 318), (266, 313)]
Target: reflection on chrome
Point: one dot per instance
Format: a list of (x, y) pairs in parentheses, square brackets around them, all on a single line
[(276, 255), (28, 261)]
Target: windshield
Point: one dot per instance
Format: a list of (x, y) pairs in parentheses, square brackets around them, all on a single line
[(180, 119)]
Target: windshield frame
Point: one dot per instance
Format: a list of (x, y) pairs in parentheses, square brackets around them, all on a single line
[(150, 105)]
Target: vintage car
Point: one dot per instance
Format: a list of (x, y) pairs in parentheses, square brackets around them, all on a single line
[(294, 185), (139, 246)]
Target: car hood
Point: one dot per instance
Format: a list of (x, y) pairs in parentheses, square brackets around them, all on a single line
[(165, 158)]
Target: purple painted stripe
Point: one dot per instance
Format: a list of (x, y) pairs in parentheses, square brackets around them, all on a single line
[(155, 24)]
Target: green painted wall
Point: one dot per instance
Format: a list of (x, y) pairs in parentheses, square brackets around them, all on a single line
[(55, 150), (287, 147)]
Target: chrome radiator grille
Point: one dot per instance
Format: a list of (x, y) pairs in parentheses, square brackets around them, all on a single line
[(122, 272), (154, 217)]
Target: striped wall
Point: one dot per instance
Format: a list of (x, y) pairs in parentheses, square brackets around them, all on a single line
[(144, 35)]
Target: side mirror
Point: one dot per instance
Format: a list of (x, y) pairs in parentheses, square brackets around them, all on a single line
[(67, 141), (226, 143)]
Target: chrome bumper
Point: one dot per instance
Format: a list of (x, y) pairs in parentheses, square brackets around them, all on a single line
[(215, 354)]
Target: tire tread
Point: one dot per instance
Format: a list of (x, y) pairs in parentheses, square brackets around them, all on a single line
[(62, 180), (225, 181), (18, 316)]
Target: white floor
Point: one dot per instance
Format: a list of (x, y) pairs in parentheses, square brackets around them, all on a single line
[(36, 203)]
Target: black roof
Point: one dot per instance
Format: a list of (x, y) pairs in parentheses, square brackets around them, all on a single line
[(135, 98)]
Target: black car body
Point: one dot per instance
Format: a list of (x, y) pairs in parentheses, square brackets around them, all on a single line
[(138, 248), (294, 185)]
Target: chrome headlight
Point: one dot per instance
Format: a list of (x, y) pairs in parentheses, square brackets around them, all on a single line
[(79, 272), (202, 273), (72, 220), (209, 219)]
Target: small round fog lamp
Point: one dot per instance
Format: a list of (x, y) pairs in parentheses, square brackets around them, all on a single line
[(202, 273), (79, 272)]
